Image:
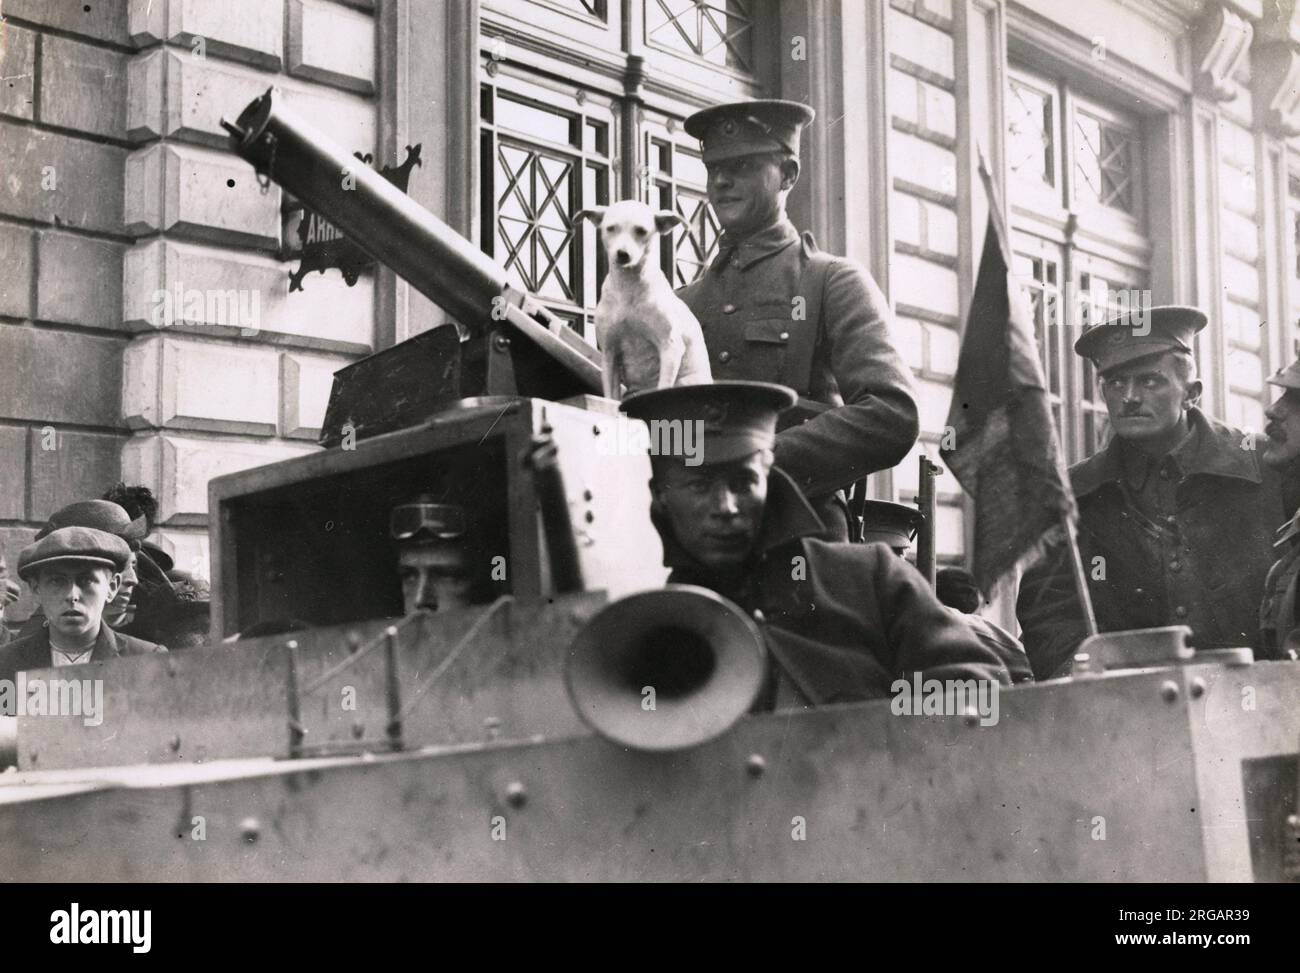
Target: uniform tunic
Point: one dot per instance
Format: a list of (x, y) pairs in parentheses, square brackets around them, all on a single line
[(850, 621), (831, 347), (1183, 540)]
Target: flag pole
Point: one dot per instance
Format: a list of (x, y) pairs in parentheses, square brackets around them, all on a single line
[(1067, 521), (1080, 579)]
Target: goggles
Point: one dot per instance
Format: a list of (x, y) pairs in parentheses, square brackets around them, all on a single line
[(441, 520)]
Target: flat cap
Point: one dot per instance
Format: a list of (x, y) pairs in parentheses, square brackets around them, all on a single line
[(1140, 332), (1289, 377), (735, 419), (67, 544), (742, 128), (99, 515), (889, 523)]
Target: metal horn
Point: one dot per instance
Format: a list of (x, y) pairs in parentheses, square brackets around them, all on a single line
[(702, 656)]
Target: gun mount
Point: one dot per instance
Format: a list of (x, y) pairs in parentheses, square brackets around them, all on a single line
[(516, 346)]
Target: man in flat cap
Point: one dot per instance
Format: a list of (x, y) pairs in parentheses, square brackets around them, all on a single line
[(1176, 514), (1279, 628), (895, 525), (144, 592), (842, 621), (774, 308), (74, 572)]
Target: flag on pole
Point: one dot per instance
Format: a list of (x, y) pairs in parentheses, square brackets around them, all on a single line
[(1003, 447)]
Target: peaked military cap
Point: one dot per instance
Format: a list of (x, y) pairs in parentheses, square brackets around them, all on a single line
[(68, 544), (1139, 333), (890, 523), (99, 515), (1289, 377), (737, 418), (742, 128)]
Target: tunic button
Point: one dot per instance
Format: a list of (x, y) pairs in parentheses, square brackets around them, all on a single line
[(785, 335), (725, 356), (728, 308), (1181, 611), (1175, 566), (1171, 520)]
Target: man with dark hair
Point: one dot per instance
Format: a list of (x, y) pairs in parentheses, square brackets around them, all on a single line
[(775, 308), (74, 572), (1176, 514), (842, 621)]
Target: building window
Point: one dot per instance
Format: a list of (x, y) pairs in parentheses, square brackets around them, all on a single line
[(544, 158), (1104, 162), (552, 146), (720, 34), (1078, 232)]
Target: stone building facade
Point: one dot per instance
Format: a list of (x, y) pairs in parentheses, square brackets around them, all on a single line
[(147, 331)]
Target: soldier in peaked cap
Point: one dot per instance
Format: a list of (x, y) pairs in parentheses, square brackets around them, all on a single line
[(1279, 628), (774, 308), (1176, 513), (842, 621), (74, 572)]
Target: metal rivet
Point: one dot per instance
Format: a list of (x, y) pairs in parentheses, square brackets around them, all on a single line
[(756, 766), (516, 794), (759, 616), (586, 495), (500, 342), (595, 430), (1197, 688), (250, 829), (1169, 691), (785, 335), (589, 517)]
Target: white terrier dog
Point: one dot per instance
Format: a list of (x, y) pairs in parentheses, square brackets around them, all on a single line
[(649, 337)]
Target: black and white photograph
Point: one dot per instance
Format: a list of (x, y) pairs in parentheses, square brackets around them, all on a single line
[(651, 443)]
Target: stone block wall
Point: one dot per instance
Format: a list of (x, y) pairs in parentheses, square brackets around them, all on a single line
[(146, 329)]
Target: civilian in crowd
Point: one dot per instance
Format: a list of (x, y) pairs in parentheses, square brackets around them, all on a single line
[(74, 573)]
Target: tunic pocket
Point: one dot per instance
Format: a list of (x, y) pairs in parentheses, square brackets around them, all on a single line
[(767, 350)]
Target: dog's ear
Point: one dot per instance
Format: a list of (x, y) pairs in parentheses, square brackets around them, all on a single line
[(595, 214), (665, 220)]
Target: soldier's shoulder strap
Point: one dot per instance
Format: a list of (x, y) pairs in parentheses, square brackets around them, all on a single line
[(812, 286)]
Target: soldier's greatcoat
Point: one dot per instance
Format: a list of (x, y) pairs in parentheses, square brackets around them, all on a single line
[(832, 345), (1201, 564), (848, 619)]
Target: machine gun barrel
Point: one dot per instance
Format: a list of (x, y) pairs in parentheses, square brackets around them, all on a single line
[(373, 213), (398, 232)]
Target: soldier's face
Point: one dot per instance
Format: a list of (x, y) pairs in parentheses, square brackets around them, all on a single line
[(434, 577), (1146, 398), (1283, 430), (73, 595), (714, 511), (748, 193)]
